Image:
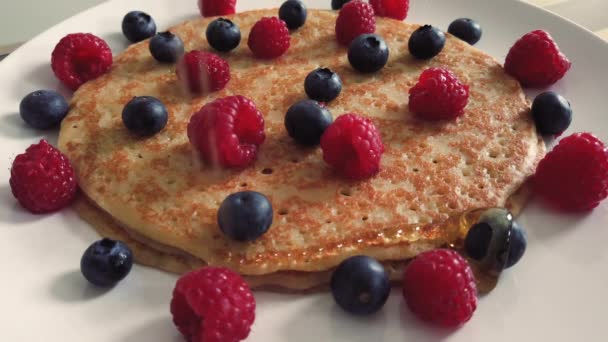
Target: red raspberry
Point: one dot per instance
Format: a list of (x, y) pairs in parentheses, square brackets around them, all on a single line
[(353, 146), (210, 8), (42, 179), (396, 9), (438, 95), (80, 57), (203, 72), (574, 175), (269, 38), (439, 287), (227, 131), (535, 60), (213, 304), (355, 18)]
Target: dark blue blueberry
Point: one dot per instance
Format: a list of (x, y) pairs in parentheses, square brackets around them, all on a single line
[(368, 53), (552, 113), (337, 4), (293, 13), (360, 285), (106, 262), (223, 35), (43, 109), (426, 42), (306, 121), (517, 244), (166, 47), (145, 115), (245, 216), (323, 85), (466, 29), (137, 26)]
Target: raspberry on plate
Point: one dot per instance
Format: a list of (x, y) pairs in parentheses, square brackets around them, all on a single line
[(355, 18), (203, 71), (574, 175), (396, 9), (438, 95), (42, 179), (269, 38), (228, 131), (439, 287), (353, 147), (536, 61), (80, 57), (210, 8), (213, 304)]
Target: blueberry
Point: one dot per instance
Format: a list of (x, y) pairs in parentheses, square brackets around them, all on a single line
[(306, 121), (552, 113), (43, 109), (245, 216), (293, 13), (166, 47), (337, 4), (517, 244), (106, 262), (137, 26), (368, 53), (145, 115), (323, 85), (466, 29), (223, 35), (426, 42), (360, 285)]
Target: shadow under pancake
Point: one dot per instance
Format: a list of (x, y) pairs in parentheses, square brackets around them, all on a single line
[(11, 211), (160, 329), (71, 286)]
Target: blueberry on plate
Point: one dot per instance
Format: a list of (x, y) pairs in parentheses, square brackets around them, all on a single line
[(466, 29), (426, 42), (293, 13), (43, 109), (306, 121), (245, 215), (323, 85), (223, 35), (552, 113), (145, 115), (137, 26), (368, 53), (337, 4), (106, 262), (166, 47), (360, 285)]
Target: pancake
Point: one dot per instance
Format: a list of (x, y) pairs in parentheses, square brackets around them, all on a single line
[(158, 189)]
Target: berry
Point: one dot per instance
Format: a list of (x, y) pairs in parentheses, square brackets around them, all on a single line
[(323, 85), (518, 242), (227, 131), (213, 304), (203, 72), (355, 18), (337, 4), (269, 38), (145, 115), (438, 95), (293, 13), (43, 109), (536, 61), (223, 35), (466, 29), (352, 145), (106, 262), (360, 285), (396, 9), (368, 53), (574, 175), (552, 113), (306, 121), (211, 8), (80, 57), (426, 42), (42, 179), (245, 215), (439, 287), (137, 26), (166, 47)]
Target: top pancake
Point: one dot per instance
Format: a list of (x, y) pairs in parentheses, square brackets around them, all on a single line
[(157, 186)]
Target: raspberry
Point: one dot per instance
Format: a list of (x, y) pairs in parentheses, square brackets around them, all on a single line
[(80, 57), (355, 18), (396, 9), (535, 60), (269, 38), (574, 175), (42, 179), (353, 146), (213, 304), (203, 72), (227, 131), (438, 95), (210, 8), (439, 287)]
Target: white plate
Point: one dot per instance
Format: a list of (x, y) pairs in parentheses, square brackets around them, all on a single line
[(557, 293)]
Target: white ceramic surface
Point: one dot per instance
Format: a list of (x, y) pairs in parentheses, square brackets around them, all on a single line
[(557, 293)]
